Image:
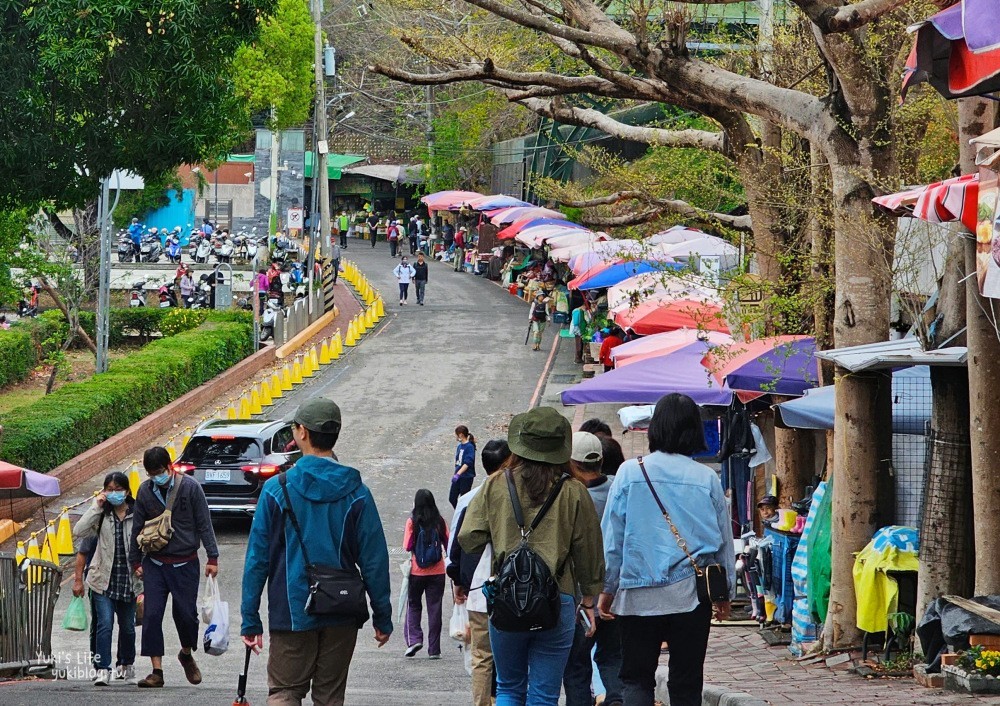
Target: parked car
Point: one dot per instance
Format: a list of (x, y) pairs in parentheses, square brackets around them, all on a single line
[(232, 459)]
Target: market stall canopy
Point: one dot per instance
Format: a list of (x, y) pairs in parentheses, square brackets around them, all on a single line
[(676, 234), (532, 222), (636, 290), (893, 354), (782, 365), (494, 202), (17, 482), (335, 164), (393, 173), (534, 237), (662, 343), (659, 316), (957, 50), (512, 215), (911, 404), (618, 272), (447, 200), (705, 245), (954, 199), (648, 380)]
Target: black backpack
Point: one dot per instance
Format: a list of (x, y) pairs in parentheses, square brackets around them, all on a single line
[(524, 596), (427, 548)]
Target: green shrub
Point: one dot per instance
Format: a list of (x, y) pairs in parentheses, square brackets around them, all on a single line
[(179, 320), (141, 321), (80, 415), (21, 348)]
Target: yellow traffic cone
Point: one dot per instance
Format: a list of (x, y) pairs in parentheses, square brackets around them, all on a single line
[(244, 409), (314, 358), (19, 553), (64, 534), (276, 387), (352, 336), (324, 353), (48, 546), (380, 307), (255, 407), (336, 346), (307, 366), (359, 325), (185, 438), (171, 450), (265, 394), (297, 372), (370, 317), (134, 479), (34, 575), (232, 412), (286, 378)]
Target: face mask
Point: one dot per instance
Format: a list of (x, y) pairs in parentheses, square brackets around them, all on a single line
[(115, 497), (162, 479)]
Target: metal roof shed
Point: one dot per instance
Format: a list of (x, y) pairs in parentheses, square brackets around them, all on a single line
[(893, 354)]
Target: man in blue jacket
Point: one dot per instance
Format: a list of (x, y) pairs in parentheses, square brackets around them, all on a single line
[(338, 518)]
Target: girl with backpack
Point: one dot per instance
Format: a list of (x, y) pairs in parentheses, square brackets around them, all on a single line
[(425, 537)]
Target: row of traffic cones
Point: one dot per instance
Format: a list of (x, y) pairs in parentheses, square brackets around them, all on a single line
[(364, 321), (361, 285)]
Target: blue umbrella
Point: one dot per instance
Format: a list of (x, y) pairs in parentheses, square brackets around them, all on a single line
[(620, 272)]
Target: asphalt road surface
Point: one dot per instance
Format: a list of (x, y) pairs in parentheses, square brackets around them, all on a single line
[(459, 359)]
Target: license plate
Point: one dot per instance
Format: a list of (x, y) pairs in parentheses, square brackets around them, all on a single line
[(213, 475)]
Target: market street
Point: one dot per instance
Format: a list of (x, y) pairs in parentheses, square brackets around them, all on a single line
[(458, 360)]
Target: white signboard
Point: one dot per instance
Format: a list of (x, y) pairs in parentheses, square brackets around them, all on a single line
[(295, 218)]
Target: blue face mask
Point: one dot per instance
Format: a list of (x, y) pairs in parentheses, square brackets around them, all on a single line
[(162, 479), (115, 497)]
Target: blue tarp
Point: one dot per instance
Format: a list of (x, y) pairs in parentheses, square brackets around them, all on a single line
[(911, 404)]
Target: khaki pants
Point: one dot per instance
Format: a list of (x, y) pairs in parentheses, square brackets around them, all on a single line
[(316, 659), (482, 659)]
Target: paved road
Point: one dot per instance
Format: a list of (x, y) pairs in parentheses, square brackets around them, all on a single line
[(458, 360)]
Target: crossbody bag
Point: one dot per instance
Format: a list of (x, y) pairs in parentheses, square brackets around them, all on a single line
[(712, 581), (156, 533), (333, 592)]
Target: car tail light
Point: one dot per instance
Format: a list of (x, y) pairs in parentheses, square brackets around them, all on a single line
[(222, 437), (264, 469), (184, 468)]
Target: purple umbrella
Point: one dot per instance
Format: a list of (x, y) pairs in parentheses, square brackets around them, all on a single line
[(494, 202), (17, 482), (783, 365), (646, 381)]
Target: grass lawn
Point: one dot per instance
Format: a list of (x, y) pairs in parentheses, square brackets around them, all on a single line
[(81, 365)]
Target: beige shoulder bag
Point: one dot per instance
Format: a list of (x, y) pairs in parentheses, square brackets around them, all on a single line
[(156, 533)]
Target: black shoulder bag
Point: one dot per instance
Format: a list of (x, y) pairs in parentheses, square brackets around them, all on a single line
[(524, 595), (333, 592), (713, 584)]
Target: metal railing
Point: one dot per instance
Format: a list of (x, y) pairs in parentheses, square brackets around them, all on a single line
[(28, 595)]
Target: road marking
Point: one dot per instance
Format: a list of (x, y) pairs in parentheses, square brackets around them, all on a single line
[(535, 398)]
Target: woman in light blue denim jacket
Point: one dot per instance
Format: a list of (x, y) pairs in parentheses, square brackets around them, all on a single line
[(650, 582)]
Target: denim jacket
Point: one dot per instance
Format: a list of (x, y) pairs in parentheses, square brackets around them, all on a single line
[(639, 548)]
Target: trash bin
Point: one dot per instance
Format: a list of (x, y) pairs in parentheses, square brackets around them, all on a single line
[(28, 595)]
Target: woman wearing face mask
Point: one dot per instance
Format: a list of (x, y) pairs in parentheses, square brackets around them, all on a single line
[(113, 586), (465, 464)]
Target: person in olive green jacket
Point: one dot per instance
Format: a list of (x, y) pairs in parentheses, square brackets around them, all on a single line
[(568, 540)]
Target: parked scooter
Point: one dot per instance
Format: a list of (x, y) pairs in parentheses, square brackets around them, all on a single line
[(268, 317), (150, 250), (167, 297), (225, 250), (137, 295), (126, 251), (174, 249), (204, 250)]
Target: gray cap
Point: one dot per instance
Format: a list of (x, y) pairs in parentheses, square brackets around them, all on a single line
[(586, 447), (318, 414)]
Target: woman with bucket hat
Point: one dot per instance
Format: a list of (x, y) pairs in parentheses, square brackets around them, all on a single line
[(530, 663)]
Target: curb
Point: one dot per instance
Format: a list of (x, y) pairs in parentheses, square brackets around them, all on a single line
[(710, 695), (308, 332)]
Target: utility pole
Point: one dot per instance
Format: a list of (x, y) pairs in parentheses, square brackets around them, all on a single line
[(103, 278), (322, 133), (429, 127)]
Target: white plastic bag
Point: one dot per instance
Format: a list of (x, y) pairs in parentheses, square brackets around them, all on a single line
[(404, 589), (209, 597), (459, 626), (216, 639)]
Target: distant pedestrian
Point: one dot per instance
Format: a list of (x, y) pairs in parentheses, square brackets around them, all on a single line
[(113, 586), (392, 235), (186, 284), (578, 322), (465, 464), (318, 514), (207, 228), (615, 338), (420, 277), (650, 587), (425, 537), (263, 284), (469, 572), (460, 240), (373, 227), (343, 224), (412, 234), (567, 539), (173, 569), (596, 427), (585, 463), (448, 236), (404, 274), (335, 255), (538, 315), (423, 236)]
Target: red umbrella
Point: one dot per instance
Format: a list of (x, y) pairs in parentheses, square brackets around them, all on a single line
[(17, 482), (445, 200), (657, 316)]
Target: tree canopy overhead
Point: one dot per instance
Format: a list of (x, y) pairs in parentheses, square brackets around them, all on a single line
[(95, 85)]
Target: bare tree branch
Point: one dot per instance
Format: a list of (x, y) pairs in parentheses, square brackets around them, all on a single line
[(830, 19), (661, 207), (57, 298)]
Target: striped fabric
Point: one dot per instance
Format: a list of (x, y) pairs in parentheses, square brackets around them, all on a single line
[(944, 201), (804, 630)]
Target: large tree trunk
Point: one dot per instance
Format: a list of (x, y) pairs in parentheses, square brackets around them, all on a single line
[(976, 116), (863, 496), (946, 523), (794, 459)]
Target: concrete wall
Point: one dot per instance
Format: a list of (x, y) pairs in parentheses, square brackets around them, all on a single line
[(291, 180)]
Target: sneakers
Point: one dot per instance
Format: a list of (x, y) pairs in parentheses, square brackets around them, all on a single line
[(126, 673), (191, 670), (413, 649), (103, 677), (153, 681), (433, 656)]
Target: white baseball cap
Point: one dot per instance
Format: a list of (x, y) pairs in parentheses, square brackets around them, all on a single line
[(586, 448)]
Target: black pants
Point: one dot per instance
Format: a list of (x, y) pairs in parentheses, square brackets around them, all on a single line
[(687, 635), (343, 238), (181, 584), (336, 270), (413, 246), (460, 487), (393, 247)]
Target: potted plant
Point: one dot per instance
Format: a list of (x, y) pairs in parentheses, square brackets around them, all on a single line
[(976, 671)]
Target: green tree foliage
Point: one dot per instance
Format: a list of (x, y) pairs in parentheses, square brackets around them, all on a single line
[(95, 85), (276, 70)]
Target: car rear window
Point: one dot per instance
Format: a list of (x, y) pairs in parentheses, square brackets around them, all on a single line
[(202, 450)]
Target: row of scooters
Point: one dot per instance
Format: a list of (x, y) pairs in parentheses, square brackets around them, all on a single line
[(222, 246)]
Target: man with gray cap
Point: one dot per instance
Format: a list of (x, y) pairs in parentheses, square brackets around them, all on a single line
[(585, 462), (316, 516)]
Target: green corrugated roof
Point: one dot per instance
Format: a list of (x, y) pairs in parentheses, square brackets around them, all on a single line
[(334, 164)]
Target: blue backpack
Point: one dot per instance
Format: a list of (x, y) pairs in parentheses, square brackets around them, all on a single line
[(427, 548)]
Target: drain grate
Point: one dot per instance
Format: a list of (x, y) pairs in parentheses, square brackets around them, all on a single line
[(564, 378)]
